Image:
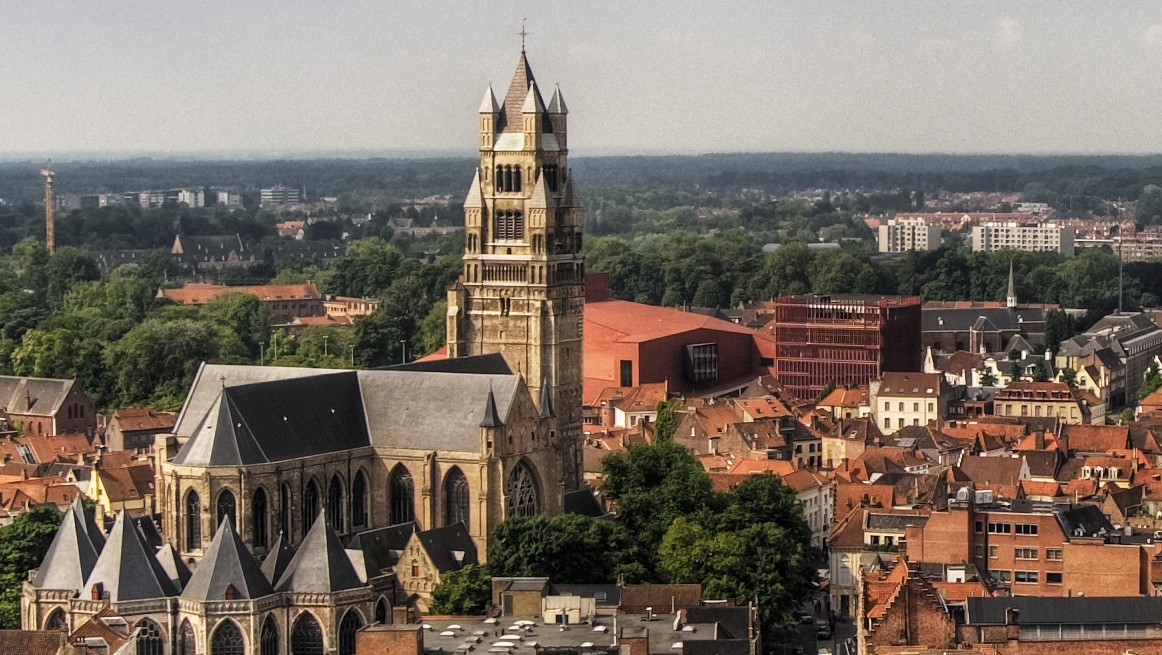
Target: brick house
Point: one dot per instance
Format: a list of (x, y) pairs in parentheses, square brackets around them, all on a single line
[(46, 406), (134, 429)]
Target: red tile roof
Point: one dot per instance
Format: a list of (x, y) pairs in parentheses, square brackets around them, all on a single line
[(144, 418), (200, 294), (635, 322)]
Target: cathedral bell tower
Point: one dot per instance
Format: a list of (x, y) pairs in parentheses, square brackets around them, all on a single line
[(521, 292)]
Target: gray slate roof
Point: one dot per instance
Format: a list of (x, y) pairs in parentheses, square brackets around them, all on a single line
[(277, 558), (96, 534), (42, 396), (226, 563), (70, 557), (381, 547), (962, 319), (450, 547), (126, 569), (234, 414), (321, 565), (277, 421), (173, 566), (1090, 610)]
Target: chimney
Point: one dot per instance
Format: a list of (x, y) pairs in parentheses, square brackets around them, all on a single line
[(634, 641), (1012, 623), (1039, 439), (712, 443)]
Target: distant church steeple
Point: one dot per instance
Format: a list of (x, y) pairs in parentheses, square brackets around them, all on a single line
[(1011, 299)]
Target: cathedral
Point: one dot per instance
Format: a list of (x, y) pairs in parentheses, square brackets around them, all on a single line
[(298, 505)]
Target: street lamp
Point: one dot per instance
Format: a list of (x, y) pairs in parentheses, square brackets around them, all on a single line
[(352, 349), (403, 351), (325, 337)]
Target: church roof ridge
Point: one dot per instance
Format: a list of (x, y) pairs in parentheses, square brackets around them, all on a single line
[(227, 563), (125, 569), (278, 558), (321, 564), (70, 557)]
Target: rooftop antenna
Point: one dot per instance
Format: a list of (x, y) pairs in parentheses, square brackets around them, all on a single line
[(523, 33), (49, 202)]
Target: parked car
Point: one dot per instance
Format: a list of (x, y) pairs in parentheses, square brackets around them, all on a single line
[(806, 617), (823, 631)]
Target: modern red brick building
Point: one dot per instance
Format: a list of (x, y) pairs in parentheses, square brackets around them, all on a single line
[(628, 344), (844, 339)]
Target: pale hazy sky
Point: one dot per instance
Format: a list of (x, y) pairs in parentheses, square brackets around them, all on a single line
[(638, 75)]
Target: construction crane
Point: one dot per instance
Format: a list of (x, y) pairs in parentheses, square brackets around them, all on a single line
[(49, 207)]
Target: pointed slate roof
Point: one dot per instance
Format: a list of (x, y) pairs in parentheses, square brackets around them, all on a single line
[(533, 103), (540, 198), (450, 548), (70, 557), (557, 104), (488, 103), (280, 554), (279, 420), (226, 563), (382, 546), (96, 534), (126, 569), (173, 566), (546, 405), (514, 99), (149, 532), (491, 416), (321, 566), (475, 197)]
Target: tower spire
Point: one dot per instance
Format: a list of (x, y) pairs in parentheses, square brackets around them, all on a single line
[(1011, 298)]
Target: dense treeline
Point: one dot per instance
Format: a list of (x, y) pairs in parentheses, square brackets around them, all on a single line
[(60, 318), (721, 269)]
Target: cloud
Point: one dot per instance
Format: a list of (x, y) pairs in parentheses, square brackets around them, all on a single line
[(1009, 32), (1152, 37)]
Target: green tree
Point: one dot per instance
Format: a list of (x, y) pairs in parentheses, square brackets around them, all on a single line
[(569, 549), (669, 415), (1040, 371), (1069, 376), (23, 544), (1059, 326), (434, 328), (244, 315), (463, 592), (985, 374), (651, 486), (66, 267), (758, 547), (155, 362), (1151, 381)]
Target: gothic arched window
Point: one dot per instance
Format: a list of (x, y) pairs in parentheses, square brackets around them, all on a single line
[(402, 496), (284, 509), (226, 508), (522, 495), (258, 517), (359, 501), (268, 641), (335, 504), (193, 521), (306, 636), (310, 505), (55, 620), (455, 498), (227, 640), (381, 611), (187, 642), (149, 638), (347, 628), (499, 178), (516, 178)]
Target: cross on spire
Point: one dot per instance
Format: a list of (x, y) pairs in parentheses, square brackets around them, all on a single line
[(523, 33)]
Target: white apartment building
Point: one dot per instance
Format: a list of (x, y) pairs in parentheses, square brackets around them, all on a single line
[(904, 234), (903, 399), (1032, 237)]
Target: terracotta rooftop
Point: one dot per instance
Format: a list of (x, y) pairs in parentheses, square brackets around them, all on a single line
[(635, 322), (200, 294), (145, 418), (1096, 438)]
